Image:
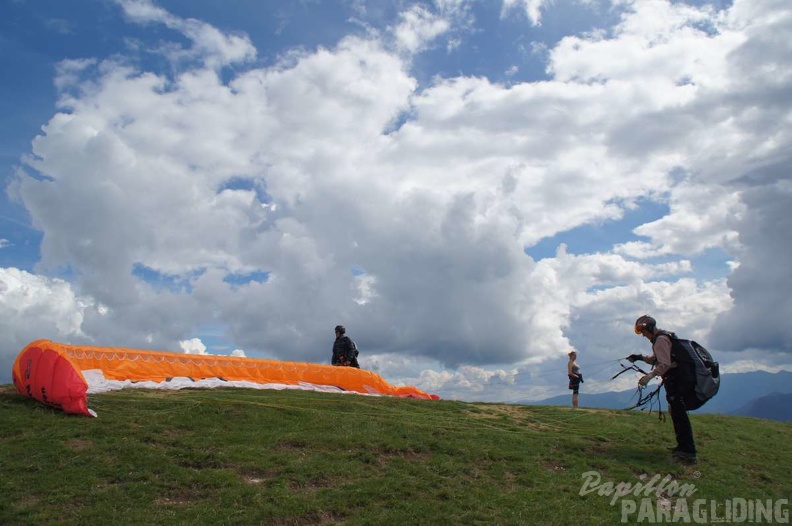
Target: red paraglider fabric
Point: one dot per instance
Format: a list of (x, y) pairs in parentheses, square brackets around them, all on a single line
[(49, 376)]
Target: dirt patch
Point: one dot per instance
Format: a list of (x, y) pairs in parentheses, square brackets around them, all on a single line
[(608, 412), (28, 502), (497, 411), (512, 415), (79, 444), (8, 389), (554, 466)]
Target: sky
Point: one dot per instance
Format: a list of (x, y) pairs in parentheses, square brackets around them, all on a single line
[(473, 188)]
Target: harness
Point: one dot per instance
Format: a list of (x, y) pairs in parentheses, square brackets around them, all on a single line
[(644, 399)]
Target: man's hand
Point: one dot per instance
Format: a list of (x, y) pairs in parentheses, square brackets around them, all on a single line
[(645, 379), (634, 358)]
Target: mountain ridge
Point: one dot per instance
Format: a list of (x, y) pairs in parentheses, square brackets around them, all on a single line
[(738, 392)]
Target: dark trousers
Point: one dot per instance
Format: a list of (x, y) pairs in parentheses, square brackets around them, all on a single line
[(679, 416)]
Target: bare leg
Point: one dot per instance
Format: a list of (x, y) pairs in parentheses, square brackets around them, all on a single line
[(575, 400)]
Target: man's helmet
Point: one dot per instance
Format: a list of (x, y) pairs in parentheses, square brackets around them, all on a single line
[(645, 322), (340, 328)]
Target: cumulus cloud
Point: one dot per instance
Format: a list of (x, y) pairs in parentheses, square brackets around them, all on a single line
[(212, 46), (418, 27), (67, 72), (762, 304), (532, 9), (700, 217), (34, 307), (336, 160), (192, 346)]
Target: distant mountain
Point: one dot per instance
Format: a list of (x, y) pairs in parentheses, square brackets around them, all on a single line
[(776, 406), (737, 391), (611, 400)]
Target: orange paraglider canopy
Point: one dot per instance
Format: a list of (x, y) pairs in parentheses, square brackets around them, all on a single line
[(53, 372), (44, 371)]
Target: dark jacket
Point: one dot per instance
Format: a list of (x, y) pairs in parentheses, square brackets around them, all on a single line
[(343, 351)]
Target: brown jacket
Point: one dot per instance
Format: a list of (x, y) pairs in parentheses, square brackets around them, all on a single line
[(661, 355)]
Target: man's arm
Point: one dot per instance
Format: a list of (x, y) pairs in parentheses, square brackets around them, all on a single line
[(348, 354), (662, 355), (648, 358)]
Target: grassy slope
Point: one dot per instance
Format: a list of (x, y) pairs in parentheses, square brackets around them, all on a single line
[(292, 457)]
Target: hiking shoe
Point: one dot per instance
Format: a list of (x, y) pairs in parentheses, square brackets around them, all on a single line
[(685, 457)]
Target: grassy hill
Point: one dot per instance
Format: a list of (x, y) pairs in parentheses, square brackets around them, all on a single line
[(297, 458)]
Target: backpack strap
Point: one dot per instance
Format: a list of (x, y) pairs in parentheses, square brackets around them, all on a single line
[(671, 335)]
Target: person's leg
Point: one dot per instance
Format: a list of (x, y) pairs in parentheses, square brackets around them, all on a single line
[(575, 398), (682, 427)]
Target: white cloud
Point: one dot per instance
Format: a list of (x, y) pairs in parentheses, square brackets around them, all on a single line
[(701, 217), (67, 72), (532, 8), (762, 304), (35, 307), (145, 11), (747, 366), (366, 287), (417, 28), (213, 47), (192, 346), (434, 192)]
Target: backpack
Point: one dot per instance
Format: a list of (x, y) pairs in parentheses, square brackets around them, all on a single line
[(354, 354), (698, 375)]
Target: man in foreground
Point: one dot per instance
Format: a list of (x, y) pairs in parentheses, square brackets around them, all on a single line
[(664, 366)]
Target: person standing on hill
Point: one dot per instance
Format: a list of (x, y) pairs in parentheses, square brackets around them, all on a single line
[(664, 367), (345, 351), (575, 377)]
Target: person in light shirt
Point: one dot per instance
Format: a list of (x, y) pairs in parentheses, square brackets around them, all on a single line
[(575, 377)]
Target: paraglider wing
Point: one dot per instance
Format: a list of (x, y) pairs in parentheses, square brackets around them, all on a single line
[(61, 375), (48, 375)]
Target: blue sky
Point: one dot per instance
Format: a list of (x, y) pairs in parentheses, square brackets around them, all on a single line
[(472, 188)]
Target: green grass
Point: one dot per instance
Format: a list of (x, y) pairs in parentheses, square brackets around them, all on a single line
[(246, 457)]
